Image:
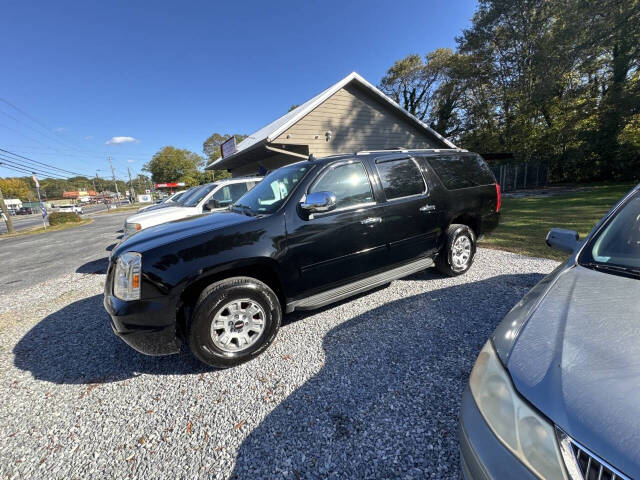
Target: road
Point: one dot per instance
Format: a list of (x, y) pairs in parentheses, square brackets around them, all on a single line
[(23, 222), (36, 258)]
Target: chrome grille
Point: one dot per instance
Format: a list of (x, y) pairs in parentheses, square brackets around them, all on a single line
[(584, 465)]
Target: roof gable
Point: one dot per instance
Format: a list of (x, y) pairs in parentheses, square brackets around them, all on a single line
[(271, 131)]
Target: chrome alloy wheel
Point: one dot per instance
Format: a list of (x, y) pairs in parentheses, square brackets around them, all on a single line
[(460, 252), (237, 325)]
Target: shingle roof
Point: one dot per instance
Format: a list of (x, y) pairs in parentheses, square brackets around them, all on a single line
[(271, 131)]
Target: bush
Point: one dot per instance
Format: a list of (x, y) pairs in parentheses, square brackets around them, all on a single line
[(58, 218)]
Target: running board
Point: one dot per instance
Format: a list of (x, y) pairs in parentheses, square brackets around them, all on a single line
[(336, 294)]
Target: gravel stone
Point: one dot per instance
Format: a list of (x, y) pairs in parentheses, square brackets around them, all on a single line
[(367, 388)]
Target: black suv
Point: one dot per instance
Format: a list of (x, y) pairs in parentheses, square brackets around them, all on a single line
[(309, 234)]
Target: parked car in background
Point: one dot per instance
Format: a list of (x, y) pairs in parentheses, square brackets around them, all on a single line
[(165, 202), (210, 197), (555, 393), (309, 234), (70, 209), (24, 211)]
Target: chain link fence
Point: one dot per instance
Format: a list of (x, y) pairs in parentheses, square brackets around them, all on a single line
[(519, 176)]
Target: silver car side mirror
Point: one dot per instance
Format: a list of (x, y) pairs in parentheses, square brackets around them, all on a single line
[(566, 241), (319, 202)]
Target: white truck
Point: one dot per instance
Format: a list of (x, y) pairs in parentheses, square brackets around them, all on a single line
[(211, 197)]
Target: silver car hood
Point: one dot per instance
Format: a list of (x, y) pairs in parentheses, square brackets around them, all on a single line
[(577, 359)]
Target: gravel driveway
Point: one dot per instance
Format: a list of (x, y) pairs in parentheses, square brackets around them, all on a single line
[(367, 388)]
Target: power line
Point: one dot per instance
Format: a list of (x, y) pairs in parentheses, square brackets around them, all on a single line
[(31, 168), (43, 164), (40, 123), (48, 136), (27, 171)]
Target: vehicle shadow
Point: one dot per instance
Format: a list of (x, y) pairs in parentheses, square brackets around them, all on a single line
[(94, 266), (76, 345), (385, 403)]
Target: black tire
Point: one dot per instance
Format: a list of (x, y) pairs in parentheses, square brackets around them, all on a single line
[(215, 297), (444, 262)]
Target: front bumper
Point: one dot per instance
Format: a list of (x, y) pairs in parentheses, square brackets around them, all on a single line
[(482, 455), (148, 326)]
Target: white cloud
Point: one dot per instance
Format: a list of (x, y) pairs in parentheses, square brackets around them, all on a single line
[(131, 161), (89, 137), (117, 140), (59, 130)]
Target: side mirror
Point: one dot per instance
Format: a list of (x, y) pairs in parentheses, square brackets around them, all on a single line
[(566, 241), (319, 202), (212, 204)]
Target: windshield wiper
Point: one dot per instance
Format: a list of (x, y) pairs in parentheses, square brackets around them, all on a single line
[(244, 209), (612, 268)]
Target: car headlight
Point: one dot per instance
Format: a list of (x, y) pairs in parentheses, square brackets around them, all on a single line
[(126, 280), (522, 430), (131, 228)]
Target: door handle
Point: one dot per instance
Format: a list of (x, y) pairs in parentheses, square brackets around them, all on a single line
[(427, 208), (371, 220)]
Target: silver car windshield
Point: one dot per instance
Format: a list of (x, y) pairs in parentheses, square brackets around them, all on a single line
[(196, 196), (617, 245)]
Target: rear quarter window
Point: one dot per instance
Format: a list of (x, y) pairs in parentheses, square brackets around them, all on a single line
[(462, 171)]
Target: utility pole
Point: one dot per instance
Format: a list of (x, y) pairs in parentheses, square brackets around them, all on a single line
[(113, 173), (7, 217), (132, 192)]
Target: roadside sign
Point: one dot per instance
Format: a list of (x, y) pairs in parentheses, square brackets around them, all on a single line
[(170, 185), (147, 191), (228, 147)]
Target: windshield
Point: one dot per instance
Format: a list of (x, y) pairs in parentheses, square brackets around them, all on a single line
[(176, 197), (617, 246), (270, 193), (194, 197), (183, 196)]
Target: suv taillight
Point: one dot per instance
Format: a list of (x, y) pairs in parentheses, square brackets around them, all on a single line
[(499, 198)]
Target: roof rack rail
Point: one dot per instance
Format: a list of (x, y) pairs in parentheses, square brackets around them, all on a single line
[(405, 150)]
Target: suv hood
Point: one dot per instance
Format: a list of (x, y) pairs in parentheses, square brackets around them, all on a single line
[(577, 359), (177, 230)]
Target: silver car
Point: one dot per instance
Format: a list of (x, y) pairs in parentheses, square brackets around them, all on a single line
[(555, 393)]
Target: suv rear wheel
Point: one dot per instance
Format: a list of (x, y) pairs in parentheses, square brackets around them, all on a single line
[(234, 320), (458, 252)]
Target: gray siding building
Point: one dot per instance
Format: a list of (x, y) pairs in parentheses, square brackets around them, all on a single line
[(350, 116)]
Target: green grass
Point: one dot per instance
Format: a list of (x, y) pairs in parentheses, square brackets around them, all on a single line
[(525, 222)]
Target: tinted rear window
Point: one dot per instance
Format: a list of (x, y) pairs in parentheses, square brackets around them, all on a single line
[(462, 171), (400, 178)]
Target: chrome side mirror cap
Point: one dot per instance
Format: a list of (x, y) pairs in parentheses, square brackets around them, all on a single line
[(564, 240), (317, 202)]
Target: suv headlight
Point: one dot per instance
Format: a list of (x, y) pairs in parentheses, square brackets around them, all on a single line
[(126, 280), (522, 430)]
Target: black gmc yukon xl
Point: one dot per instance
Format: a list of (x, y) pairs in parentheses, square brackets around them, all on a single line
[(309, 234)]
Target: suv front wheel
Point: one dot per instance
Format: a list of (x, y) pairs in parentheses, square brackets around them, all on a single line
[(234, 320), (456, 256)]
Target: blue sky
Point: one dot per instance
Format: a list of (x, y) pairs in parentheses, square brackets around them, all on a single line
[(172, 73)]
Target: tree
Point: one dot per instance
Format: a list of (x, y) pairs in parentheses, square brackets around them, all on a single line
[(16, 188), (211, 148), (171, 164), (410, 83)]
